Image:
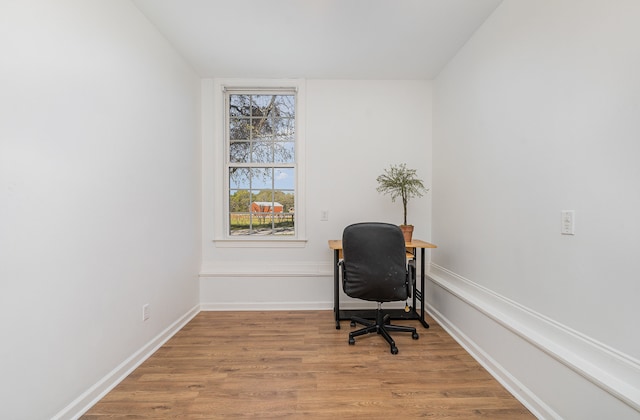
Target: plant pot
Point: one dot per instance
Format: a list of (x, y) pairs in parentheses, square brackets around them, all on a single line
[(407, 231)]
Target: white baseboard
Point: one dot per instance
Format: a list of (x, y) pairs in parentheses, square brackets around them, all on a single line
[(467, 310), (91, 396)]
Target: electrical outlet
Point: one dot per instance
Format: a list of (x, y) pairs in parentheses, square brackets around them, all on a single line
[(324, 215), (145, 312)]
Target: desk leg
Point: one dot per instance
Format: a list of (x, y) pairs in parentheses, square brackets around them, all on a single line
[(424, 323), (336, 289), (415, 284)]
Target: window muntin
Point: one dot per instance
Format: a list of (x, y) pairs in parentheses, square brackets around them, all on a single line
[(261, 162)]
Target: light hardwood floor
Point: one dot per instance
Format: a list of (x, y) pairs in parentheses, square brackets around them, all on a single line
[(297, 365)]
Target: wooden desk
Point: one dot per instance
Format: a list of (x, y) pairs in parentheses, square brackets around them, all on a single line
[(417, 293)]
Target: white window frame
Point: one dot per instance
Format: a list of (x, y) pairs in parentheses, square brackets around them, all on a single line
[(221, 235)]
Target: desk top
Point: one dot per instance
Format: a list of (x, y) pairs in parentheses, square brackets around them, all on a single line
[(336, 244)]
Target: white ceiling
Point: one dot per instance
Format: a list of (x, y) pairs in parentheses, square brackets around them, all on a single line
[(318, 39)]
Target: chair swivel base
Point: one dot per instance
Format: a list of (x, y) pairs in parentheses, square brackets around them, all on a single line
[(381, 326)]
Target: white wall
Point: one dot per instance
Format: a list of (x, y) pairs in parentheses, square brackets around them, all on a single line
[(538, 113), (99, 198), (354, 129)]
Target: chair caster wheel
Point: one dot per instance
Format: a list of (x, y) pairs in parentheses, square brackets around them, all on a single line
[(415, 336), (353, 323), (352, 341), (394, 350)]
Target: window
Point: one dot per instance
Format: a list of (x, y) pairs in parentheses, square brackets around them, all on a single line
[(261, 167)]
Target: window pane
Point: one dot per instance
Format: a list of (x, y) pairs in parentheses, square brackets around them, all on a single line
[(261, 128), (284, 127), (239, 178), (239, 218), (283, 152), (262, 178), (284, 223), (239, 200), (264, 103), (239, 105), (239, 152), (250, 178), (262, 152), (285, 105), (239, 129), (284, 179)]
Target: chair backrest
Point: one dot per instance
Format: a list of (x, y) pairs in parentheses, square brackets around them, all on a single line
[(375, 264)]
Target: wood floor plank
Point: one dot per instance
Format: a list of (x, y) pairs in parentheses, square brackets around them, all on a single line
[(295, 364)]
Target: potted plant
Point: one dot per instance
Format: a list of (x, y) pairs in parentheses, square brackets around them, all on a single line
[(398, 181)]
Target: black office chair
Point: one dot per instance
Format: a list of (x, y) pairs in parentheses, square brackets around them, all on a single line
[(374, 267)]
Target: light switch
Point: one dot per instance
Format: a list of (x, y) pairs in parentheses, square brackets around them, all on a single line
[(568, 222)]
